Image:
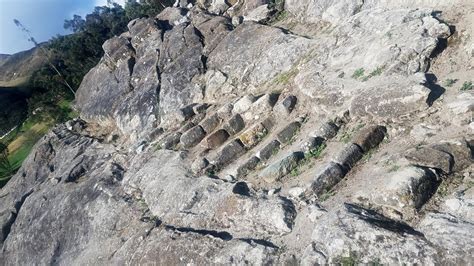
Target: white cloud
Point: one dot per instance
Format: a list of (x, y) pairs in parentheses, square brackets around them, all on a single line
[(104, 2)]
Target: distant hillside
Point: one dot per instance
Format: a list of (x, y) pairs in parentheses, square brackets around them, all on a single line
[(16, 69)]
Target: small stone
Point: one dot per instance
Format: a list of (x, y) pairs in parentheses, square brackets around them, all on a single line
[(281, 168), (269, 150), (369, 137), (187, 112), (225, 111), (349, 156), (432, 158), (210, 123), (192, 137), (237, 20), (327, 178), (296, 192), (287, 134), (248, 166), (234, 125), (262, 106), (217, 138), (199, 165), (187, 126)]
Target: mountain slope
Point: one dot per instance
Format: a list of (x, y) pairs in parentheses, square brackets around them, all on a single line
[(316, 135)]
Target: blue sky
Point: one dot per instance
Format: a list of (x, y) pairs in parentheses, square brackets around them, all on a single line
[(44, 18)]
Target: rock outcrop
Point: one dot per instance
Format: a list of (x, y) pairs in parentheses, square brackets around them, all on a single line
[(249, 132)]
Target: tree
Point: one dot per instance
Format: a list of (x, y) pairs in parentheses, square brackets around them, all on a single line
[(5, 165)]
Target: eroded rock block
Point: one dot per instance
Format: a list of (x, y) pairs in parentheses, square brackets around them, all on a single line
[(248, 166), (327, 130), (229, 153), (312, 143), (171, 141), (369, 137), (192, 137), (234, 125), (252, 136), (432, 158), (199, 165), (217, 138), (327, 178), (243, 104), (459, 150), (210, 123), (281, 168), (269, 150), (349, 156), (287, 134), (286, 106)]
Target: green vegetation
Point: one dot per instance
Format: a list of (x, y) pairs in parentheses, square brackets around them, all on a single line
[(350, 260), (69, 58), (326, 195), (450, 82), (358, 73), (375, 72), (286, 77), (467, 86)]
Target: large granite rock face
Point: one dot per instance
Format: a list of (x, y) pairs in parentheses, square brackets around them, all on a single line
[(170, 165)]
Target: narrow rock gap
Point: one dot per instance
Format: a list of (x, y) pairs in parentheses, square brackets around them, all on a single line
[(8, 225), (226, 236)]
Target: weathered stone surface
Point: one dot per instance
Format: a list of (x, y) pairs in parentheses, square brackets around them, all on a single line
[(192, 137), (208, 203), (234, 125), (369, 137), (327, 178), (287, 133), (248, 166), (281, 168), (212, 28), (210, 123), (228, 154), (262, 62), (452, 233), (217, 138), (252, 136), (269, 150), (432, 158), (349, 156)]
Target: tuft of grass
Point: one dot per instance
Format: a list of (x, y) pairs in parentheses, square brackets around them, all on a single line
[(350, 260), (394, 168), (358, 73), (376, 72), (316, 152), (326, 195), (467, 86), (285, 77), (450, 82)]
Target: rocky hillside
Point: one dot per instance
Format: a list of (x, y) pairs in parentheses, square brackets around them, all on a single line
[(249, 132)]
